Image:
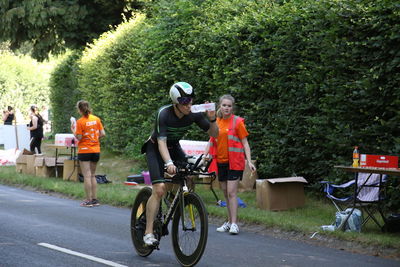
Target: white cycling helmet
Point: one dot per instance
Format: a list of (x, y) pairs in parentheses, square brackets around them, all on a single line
[(181, 93)]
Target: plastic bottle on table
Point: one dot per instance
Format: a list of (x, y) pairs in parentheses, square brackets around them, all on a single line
[(356, 157), (202, 107)]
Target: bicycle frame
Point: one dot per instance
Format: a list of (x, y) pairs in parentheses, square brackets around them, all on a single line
[(178, 199), (189, 223)]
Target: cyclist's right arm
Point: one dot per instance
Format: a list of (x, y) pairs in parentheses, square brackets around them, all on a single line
[(162, 147)]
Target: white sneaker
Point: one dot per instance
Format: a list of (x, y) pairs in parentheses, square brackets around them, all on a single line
[(234, 230), (150, 240), (224, 228)]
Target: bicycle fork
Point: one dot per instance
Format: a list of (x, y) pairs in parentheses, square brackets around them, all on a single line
[(189, 210)]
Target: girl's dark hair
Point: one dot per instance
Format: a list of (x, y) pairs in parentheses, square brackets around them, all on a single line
[(9, 108), (84, 107)]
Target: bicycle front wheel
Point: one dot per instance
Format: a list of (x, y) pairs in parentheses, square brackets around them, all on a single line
[(138, 222), (189, 239)]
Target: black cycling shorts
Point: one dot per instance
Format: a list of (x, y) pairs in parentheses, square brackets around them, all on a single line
[(225, 174), (93, 157), (155, 162)]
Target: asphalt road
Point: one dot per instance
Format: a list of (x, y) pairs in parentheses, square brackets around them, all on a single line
[(41, 230)]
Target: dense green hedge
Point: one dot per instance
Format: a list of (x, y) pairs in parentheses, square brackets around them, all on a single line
[(64, 93), (312, 78)]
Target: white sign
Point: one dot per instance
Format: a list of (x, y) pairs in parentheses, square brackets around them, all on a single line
[(193, 147), (14, 136)]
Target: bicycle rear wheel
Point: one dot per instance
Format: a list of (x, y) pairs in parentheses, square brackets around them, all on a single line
[(138, 222), (189, 241)]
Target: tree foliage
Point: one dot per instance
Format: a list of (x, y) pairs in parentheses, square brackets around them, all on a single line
[(23, 82), (54, 25)]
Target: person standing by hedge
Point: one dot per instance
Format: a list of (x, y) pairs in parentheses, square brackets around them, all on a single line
[(35, 127), (229, 151), (88, 130)]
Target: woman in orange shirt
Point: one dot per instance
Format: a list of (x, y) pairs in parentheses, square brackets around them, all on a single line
[(229, 152), (88, 130)]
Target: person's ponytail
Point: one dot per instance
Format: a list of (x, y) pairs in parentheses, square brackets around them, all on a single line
[(83, 107)]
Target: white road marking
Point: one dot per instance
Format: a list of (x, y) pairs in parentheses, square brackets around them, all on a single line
[(71, 252)]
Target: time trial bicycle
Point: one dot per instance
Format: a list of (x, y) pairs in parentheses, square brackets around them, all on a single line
[(184, 207)]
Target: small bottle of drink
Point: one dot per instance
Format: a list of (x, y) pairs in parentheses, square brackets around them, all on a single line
[(202, 107), (356, 157)]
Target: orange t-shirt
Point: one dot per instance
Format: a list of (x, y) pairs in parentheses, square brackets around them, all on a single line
[(222, 140), (89, 127)]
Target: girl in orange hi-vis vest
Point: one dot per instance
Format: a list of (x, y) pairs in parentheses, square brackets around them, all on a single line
[(88, 130), (229, 152)]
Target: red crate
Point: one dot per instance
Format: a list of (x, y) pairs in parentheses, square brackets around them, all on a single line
[(379, 161)]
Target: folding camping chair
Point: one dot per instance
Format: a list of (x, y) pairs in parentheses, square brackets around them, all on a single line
[(367, 195)]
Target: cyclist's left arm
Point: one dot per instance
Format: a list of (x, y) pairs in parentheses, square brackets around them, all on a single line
[(213, 130)]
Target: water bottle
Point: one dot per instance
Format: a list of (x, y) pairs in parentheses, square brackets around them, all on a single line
[(328, 228), (356, 157), (203, 107)]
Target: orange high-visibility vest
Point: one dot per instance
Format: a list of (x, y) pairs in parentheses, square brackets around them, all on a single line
[(236, 153)]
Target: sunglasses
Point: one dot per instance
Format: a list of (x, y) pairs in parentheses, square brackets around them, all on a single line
[(184, 100)]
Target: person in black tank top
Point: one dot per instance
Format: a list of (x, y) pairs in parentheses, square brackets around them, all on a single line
[(8, 116), (36, 130), (162, 147)]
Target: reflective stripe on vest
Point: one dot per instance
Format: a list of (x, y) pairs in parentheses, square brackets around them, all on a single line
[(235, 149)]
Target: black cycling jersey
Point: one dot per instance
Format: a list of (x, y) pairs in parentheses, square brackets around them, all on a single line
[(169, 126)]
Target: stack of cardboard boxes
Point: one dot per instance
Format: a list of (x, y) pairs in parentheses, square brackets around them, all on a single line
[(35, 164), (42, 166)]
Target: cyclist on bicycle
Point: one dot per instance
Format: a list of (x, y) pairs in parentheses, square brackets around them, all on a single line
[(162, 148)]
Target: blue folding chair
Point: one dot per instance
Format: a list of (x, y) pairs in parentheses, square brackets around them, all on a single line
[(367, 194)]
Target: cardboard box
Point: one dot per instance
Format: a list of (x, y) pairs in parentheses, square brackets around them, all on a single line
[(20, 168), (50, 161), (71, 170), (30, 164), (248, 180), (41, 169), (20, 164), (21, 159), (280, 193)]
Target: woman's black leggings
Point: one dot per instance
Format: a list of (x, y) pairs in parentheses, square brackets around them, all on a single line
[(36, 142)]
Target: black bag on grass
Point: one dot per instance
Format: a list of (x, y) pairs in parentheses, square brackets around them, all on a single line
[(100, 178), (393, 223)]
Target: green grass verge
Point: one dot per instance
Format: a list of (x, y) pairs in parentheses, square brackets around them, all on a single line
[(305, 220)]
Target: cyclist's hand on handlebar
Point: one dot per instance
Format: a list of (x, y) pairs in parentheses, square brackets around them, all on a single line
[(171, 169)]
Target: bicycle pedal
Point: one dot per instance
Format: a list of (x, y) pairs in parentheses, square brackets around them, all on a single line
[(155, 245)]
